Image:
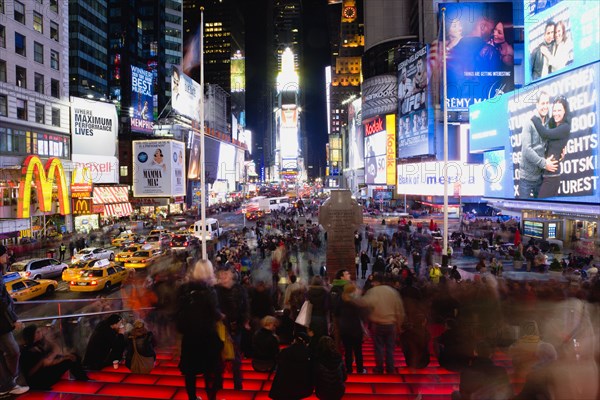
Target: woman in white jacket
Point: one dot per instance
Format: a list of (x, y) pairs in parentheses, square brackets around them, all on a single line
[(562, 54)]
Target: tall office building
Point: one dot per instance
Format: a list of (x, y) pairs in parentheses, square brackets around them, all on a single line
[(145, 40), (344, 83), (88, 49), (224, 48)]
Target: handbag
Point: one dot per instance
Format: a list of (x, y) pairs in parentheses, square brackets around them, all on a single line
[(140, 364), (305, 313), (228, 352)]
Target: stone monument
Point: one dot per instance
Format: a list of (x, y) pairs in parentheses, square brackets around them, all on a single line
[(340, 215)]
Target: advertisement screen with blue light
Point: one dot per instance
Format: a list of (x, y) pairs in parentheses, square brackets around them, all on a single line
[(142, 100), (415, 114), (541, 143), (479, 52), (560, 36)]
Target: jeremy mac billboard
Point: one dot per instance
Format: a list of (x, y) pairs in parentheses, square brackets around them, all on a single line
[(480, 53), (94, 127), (380, 150), (553, 117), (415, 113), (142, 100), (158, 168)]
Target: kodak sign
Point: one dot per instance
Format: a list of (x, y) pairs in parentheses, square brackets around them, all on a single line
[(45, 176)]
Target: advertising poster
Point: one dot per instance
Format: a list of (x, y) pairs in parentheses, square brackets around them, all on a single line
[(142, 103), (101, 169), (560, 36), (379, 96), (227, 171), (194, 161), (185, 95), (94, 127), (415, 114), (547, 149), (356, 151), (158, 168), (480, 53), (375, 150)]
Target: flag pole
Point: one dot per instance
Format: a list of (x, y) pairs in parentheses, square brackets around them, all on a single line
[(202, 155), (445, 103)]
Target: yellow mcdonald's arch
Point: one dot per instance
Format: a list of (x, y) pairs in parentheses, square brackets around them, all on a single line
[(44, 182), (81, 206)]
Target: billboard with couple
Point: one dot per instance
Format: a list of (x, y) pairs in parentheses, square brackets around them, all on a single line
[(547, 149)]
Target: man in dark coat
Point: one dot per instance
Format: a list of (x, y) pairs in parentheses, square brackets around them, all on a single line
[(265, 346), (364, 263), (294, 378), (106, 344), (233, 302), (9, 349)]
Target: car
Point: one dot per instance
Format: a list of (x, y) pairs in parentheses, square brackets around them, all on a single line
[(99, 278), (76, 268), (158, 241), (143, 258), (39, 268), (182, 242), (123, 238), (179, 221), (127, 252), (93, 253), (21, 289), (154, 232)]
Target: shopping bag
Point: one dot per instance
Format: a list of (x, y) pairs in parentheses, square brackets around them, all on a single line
[(140, 364), (228, 352), (305, 313)]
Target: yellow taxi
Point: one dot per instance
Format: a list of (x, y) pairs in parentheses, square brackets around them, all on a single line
[(127, 252), (98, 278), (21, 289), (143, 258), (75, 269), (122, 239)]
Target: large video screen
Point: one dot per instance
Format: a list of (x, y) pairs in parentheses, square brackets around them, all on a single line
[(227, 171), (542, 142), (560, 35), (480, 53), (376, 136), (415, 115)]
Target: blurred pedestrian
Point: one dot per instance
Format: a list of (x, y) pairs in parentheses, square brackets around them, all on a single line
[(294, 375), (265, 346), (329, 373), (196, 318), (9, 349)]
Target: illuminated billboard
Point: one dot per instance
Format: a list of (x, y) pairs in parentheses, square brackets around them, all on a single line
[(94, 127), (427, 179), (560, 36), (379, 96), (238, 74), (142, 100), (194, 160), (415, 114), (185, 94), (227, 171), (380, 150), (158, 168), (356, 151), (523, 154), (480, 56)]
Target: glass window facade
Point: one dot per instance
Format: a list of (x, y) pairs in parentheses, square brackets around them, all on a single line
[(18, 141), (38, 52)]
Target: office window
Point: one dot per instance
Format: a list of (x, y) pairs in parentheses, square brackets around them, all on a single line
[(54, 31), (3, 105), (38, 22), (54, 88), (2, 35), (39, 83), (1, 6), (38, 52), (21, 77), (22, 109), (2, 71), (55, 116), (20, 12), (54, 5), (20, 44), (40, 118), (54, 64)]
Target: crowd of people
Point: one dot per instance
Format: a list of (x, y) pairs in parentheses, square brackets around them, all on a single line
[(249, 299)]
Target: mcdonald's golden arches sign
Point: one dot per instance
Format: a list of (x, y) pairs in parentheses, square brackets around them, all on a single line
[(46, 176)]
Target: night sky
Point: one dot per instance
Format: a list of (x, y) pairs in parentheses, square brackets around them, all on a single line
[(316, 56)]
